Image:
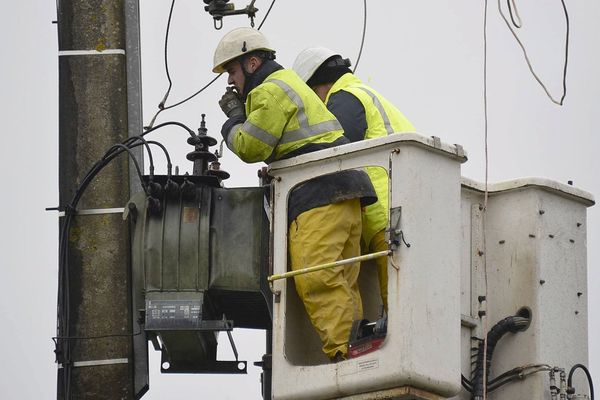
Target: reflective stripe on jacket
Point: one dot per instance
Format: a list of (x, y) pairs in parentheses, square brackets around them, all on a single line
[(283, 115), (382, 119)]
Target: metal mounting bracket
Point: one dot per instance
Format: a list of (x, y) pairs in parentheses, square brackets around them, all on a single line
[(395, 234)]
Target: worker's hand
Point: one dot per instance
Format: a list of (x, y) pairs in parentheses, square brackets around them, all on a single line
[(231, 104)]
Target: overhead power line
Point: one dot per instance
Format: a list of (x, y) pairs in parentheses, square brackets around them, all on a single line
[(518, 24), (485, 200), (362, 41)]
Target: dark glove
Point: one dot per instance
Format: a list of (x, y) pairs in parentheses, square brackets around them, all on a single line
[(231, 104)]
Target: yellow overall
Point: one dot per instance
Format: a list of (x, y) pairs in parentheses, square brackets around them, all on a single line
[(331, 297)]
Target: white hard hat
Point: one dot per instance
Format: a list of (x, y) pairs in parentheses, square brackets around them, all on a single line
[(236, 43), (309, 60)]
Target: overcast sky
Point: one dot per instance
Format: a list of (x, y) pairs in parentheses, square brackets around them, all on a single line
[(425, 56)]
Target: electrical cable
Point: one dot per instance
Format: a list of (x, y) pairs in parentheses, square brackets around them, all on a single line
[(161, 106), (151, 129), (537, 78), (362, 41), (151, 124), (167, 156), (518, 373), (587, 374), (512, 5), (162, 103), (131, 140), (485, 202), (466, 384), (512, 324), (519, 370), (266, 15), (57, 17), (133, 158)]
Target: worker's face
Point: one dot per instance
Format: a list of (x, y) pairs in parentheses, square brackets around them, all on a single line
[(236, 75)]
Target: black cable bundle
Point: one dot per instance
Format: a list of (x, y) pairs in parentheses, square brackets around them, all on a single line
[(509, 324)]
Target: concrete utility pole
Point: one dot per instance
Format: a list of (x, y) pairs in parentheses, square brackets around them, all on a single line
[(93, 115)]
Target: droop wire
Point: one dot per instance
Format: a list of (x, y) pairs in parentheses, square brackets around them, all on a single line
[(518, 24), (364, 31)]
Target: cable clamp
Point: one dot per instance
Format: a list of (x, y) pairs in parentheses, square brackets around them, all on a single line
[(395, 235), (94, 363)]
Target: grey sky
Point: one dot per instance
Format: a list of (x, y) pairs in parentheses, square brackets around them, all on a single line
[(425, 56)]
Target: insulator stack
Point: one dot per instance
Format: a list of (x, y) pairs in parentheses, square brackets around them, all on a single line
[(201, 156)]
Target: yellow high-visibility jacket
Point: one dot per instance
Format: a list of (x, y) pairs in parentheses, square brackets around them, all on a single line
[(285, 118), (381, 118)]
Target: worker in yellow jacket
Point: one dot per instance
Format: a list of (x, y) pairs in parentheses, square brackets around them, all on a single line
[(273, 115), (364, 114)]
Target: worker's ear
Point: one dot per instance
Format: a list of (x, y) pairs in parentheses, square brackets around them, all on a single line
[(253, 63)]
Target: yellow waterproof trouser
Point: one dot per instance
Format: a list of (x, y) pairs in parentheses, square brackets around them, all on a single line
[(378, 243), (330, 296)]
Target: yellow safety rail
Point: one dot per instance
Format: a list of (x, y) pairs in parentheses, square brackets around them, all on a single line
[(347, 261)]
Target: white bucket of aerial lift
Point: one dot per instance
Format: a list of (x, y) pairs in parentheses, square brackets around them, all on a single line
[(535, 251), (421, 353)]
